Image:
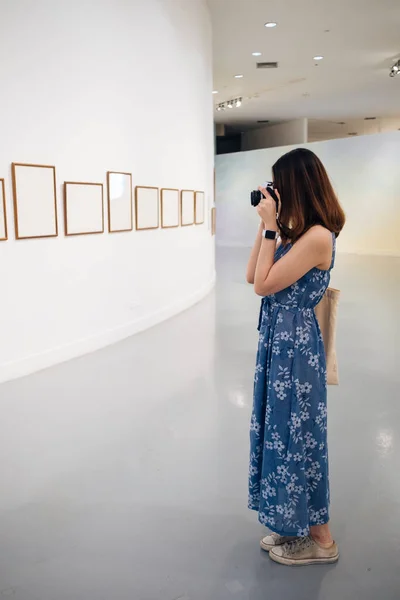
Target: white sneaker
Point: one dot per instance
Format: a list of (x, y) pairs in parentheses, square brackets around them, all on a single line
[(304, 551), (274, 539)]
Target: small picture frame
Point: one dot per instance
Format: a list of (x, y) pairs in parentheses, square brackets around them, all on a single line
[(35, 201), (187, 208), (3, 212), (119, 201), (199, 205), (169, 208), (147, 208), (83, 208)]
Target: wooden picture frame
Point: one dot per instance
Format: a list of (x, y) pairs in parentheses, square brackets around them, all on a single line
[(3, 212), (199, 208), (119, 201), (35, 201), (187, 208), (213, 220), (170, 208), (147, 209), (79, 211)]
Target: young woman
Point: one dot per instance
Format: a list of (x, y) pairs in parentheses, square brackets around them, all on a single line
[(288, 476)]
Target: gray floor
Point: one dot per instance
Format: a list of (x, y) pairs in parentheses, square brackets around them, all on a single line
[(123, 473)]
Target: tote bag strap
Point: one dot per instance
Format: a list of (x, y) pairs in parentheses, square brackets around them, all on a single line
[(333, 251)]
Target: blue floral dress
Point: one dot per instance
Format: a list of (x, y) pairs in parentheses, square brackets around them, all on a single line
[(288, 475)]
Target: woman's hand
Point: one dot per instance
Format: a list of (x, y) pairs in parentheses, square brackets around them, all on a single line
[(267, 209)]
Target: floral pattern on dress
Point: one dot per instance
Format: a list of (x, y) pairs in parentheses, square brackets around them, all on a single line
[(289, 472)]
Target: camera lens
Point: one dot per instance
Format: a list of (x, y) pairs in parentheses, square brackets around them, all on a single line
[(255, 197)]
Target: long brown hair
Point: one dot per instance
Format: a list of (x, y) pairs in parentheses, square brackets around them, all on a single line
[(307, 195)]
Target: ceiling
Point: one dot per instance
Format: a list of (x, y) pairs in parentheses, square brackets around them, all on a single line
[(359, 39)]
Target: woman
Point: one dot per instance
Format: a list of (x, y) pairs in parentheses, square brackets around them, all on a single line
[(288, 478)]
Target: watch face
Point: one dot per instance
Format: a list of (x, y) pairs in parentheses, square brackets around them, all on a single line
[(270, 235)]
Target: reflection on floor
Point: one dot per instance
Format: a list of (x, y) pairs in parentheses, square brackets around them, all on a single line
[(123, 473)]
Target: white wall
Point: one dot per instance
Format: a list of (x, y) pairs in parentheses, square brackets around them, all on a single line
[(365, 173), (90, 87), (281, 134), (321, 129)]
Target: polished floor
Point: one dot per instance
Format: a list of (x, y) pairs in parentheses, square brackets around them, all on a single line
[(123, 473)]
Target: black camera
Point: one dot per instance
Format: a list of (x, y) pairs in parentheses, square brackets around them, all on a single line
[(256, 195)]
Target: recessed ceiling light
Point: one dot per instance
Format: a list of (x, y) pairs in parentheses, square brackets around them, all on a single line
[(318, 57), (270, 24), (215, 91), (256, 54), (238, 76)]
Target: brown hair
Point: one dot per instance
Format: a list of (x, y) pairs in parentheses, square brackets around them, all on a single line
[(307, 195)]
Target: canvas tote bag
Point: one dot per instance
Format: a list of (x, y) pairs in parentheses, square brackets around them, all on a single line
[(326, 313)]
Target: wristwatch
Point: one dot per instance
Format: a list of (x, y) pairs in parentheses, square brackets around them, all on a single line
[(270, 235)]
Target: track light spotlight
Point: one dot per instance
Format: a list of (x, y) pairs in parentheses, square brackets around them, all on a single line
[(236, 103), (395, 70)]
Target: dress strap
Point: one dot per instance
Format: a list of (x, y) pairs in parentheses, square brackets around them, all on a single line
[(333, 251), (260, 316)]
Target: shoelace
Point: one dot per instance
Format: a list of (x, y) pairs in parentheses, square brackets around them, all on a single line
[(298, 545)]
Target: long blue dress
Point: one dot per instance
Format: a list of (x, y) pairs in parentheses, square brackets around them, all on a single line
[(288, 474)]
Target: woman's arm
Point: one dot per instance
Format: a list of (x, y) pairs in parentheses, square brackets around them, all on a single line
[(251, 265), (313, 249)]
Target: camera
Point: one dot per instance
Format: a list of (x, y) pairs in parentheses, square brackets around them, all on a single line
[(256, 195)]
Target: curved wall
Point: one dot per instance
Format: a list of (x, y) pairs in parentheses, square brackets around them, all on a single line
[(93, 87)]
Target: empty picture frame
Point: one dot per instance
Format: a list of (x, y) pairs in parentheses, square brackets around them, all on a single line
[(146, 207), (35, 201), (187, 207), (199, 205), (169, 208), (3, 212), (83, 208), (119, 199), (213, 220)]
